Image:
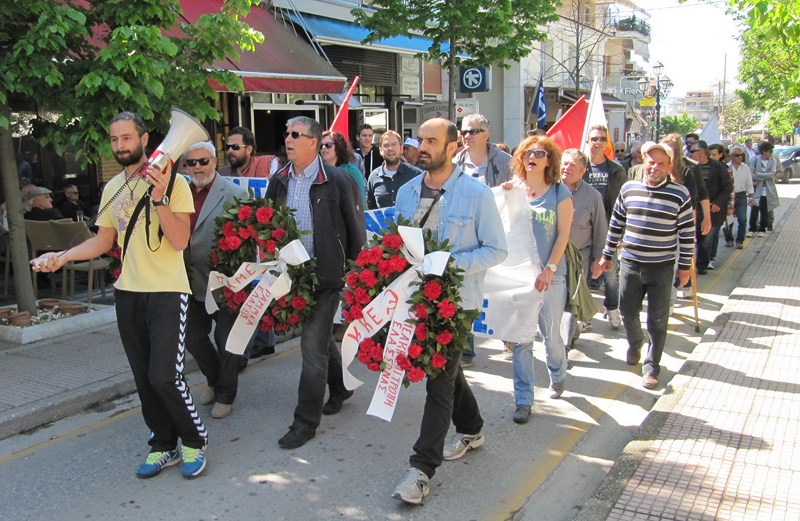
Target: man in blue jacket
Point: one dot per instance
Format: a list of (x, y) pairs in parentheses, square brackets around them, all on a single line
[(460, 209), (327, 204)]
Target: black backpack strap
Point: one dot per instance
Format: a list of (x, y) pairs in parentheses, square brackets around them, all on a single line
[(145, 201)]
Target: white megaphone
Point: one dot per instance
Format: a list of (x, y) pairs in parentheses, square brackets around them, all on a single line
[(184, 131)]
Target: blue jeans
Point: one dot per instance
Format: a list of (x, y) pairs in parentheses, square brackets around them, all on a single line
[(740, 211), (638, 280), (550, 315), (714, 246), (322, 361)]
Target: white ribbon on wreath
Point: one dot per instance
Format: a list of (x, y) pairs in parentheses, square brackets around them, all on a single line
[(391, 305), (269, 288)]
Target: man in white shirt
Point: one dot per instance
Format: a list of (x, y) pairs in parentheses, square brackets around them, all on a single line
[(742, 191)]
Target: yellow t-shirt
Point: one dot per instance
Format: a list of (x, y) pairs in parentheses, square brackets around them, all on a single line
[(143, 270)]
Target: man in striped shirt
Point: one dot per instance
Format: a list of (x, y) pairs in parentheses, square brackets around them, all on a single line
[(652, 219)]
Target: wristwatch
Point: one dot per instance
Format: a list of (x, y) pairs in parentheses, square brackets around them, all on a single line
[(163, 202), (552, 267)]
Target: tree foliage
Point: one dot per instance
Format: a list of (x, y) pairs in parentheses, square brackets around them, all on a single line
[(682, 124), (468, 32), (738, 117), (79, 63), (84, 62), (770, 51)]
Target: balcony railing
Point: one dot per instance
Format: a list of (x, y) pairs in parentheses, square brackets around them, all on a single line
[(633, 24)]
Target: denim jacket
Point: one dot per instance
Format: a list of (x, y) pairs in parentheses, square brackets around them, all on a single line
[(469, 220)]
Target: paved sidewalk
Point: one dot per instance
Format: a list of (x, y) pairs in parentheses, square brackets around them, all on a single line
[(723, 444)]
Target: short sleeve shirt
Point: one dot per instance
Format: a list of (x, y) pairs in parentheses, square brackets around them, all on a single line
[(544, 221), (143, 270)]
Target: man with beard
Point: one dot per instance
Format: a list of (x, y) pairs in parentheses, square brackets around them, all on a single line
[(327, 206), (210, 192), (240, 148), (652, 220), (385, 180), (152, 226), (460, 209)]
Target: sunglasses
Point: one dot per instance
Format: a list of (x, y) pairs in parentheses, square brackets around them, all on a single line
[(473, 131), (231, 146), (328, 144), (194, 162), (737, 155), (538, 154), (595, 139), (296, 135), (693, 150), (622, 150)]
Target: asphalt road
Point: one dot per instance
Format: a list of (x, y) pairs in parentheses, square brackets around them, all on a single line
[(83, 467)]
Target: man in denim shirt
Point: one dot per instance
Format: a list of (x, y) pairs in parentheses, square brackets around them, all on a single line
[(462, 210)]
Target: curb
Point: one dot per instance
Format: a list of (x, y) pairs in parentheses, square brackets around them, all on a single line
[(605, 497)]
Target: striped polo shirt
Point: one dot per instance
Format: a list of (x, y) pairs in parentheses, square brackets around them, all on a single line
[(651, 222)]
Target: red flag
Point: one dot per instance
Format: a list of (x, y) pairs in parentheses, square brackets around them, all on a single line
[(340, 120), (567, 132)]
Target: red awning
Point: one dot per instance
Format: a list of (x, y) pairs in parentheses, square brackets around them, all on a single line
[(282, 63)]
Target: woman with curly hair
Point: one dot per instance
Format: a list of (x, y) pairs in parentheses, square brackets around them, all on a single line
[(336, 152), (536, 166)]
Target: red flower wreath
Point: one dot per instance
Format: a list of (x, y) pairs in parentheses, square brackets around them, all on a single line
[(241, 230), (441, 327)]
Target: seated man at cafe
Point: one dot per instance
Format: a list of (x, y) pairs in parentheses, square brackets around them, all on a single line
[(41, 205), (73, 207)]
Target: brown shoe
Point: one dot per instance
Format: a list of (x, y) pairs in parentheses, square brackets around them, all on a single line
[(208, 396), (649, 381), (632, 358), (221, 410)]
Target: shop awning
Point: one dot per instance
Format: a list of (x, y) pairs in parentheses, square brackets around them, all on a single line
[(282, 63), (338, 32)]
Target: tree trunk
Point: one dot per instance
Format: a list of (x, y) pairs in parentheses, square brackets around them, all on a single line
[(16, 223), (451, 88)]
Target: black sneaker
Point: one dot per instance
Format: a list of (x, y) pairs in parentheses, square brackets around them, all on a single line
[(296, 437), (335, 402)]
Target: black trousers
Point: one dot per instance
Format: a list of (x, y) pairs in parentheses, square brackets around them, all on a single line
[(220, 367), (448, 397), (150, 326), (760, 210)]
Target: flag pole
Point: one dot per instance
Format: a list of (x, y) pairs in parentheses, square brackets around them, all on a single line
[(340, 119)]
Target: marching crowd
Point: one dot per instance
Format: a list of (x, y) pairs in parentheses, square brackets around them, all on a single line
[(637, 224)]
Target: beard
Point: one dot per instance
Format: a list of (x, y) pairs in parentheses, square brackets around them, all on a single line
[(236, 161), (128, 158), (432, 162)]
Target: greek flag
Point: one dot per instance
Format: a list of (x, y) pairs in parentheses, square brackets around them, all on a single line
[(539, 106)]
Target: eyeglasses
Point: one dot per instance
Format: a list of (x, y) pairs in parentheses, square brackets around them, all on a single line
[(538, 154), (231, 146), (472, 131), (595, 139), (193, 162), (328, 144), (296, 135)]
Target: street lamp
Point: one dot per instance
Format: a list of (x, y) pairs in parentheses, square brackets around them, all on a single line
[(656, 89)]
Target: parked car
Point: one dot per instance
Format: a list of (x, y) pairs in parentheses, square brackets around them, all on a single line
[(790, 163)]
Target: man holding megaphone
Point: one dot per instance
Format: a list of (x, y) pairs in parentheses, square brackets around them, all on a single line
[(148, 210)]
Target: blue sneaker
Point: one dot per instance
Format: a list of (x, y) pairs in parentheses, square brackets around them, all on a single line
[(156, 461), (194, 462)]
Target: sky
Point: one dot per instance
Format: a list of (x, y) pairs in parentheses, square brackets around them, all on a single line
[(691, 40)]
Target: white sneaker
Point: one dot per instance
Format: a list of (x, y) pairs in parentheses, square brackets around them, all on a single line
[(614, 318), (711, 265), (750, 234), (413, 488), (460, 444), (687, 292)]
